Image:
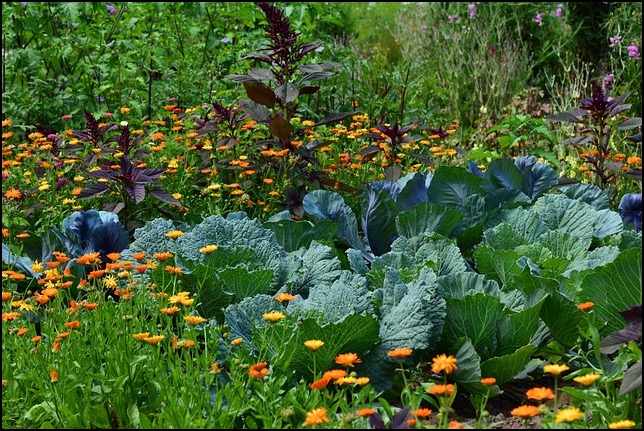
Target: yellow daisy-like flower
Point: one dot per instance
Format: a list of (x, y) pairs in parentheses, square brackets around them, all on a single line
[(194, 320), (621, 425), (555, 369), (110, 282), (208, 249), (444, 363), (174, 234), (587, 379), (314, 344), (141, 336), (540, 394), (236, 341), (273, 317), (37, 267), (568, 415)]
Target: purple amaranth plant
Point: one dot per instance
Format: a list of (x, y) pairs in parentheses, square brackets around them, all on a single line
[(595, 114)]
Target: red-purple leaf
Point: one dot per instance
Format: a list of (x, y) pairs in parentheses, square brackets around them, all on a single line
[(281, 129), (164, 196), (93, 190), (260, 93)]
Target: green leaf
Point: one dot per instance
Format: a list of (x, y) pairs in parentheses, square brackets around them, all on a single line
[(505, 368), (469, 373), (426, 218), (500, 265), (451, 186), (515, 330), (293, 235), (562, 317), (379, 220), (614, 287), (475, 317), (460, 284)]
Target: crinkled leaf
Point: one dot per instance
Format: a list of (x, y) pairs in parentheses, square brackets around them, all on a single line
[(309, 267), (293, 235), (460, 284), (589, 193), (500, 265), (244, 317), (561, 212), (562, 317), (515, 330), (565, 245)]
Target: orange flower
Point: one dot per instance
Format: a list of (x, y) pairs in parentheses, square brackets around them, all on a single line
[(282, 297), (114, 256), (587, 379), (444, 363), (258, 371), (22, 331), (141, 336), (162, 256), (335, 374), (422, 413), (194, 320), (6, 296), (170, 311), (348, 359), (154, 340), (314, 344), (53, 375), (540, 394), (236, 341), (74, 324), (585, 306), (139, 256), (400, 352), (90, 305), (316, 417), (525, 411), (321, 383), (36, 339), (488, 381), (173, 270), (456, 425), (439, 390), (411, 422), (366, 412)]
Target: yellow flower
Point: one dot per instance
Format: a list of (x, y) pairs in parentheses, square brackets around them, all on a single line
[(174, 234), (587, 379), (37, 267), (621, 425), (568, 415), (540, 394), (317, 417), (194, 320), (554, 369), (110, 282), (444, 363), (314, 344), (208, 249), (274, 316), (236, 341)]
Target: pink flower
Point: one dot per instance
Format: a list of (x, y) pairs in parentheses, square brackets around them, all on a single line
[(633, 51), (66, 117), (609, 79), (614, 40), (558, 12), (423, 27), (472, 8), (538, 19)]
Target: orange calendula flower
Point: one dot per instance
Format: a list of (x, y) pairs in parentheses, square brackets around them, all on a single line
[(283, 297), (154, 340), (162, 256), (366, 412), (540, 394), (194, 320), (348, 359), (141, 336), (411, 422), (587, 379), (16, 276), (50, 291), (440, 390), (317, 417), (114, 256), (400, 352), (570, 414), (320, 384), (173, 270), (53, 376), (444, 363), (314, 344), (22, 331), (422, 413), (13, 193), (6, 296), (258, 371), (488, 381), (621, 425), (525, 411), (214, 368), (335, 374), (456, 425), (74, 324), (585, 306), (139, 256), (36, 339), (90, 305), (274, 316), (169, 311), (555, 369)]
